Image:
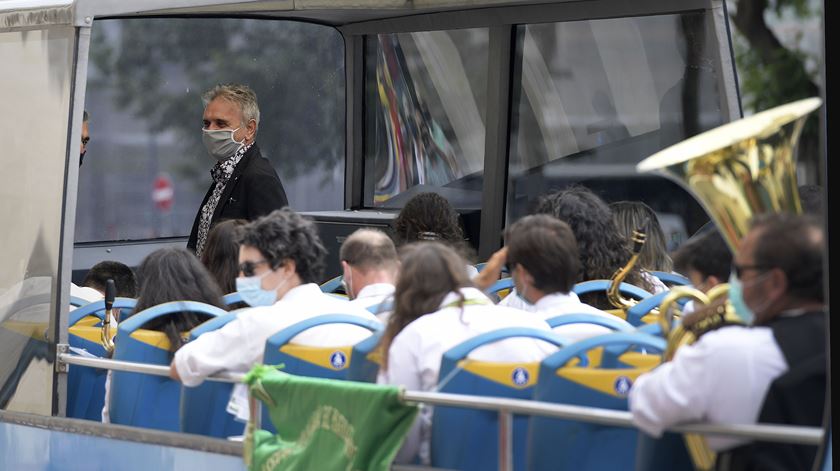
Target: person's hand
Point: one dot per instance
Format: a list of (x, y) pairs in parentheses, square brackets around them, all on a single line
[(492, 270)]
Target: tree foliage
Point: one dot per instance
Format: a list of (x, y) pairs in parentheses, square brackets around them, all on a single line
[(772, 74)]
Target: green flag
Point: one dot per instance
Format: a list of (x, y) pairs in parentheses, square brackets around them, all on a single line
[(325, 424)]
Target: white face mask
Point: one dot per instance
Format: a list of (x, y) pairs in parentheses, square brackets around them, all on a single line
[(220, 143)]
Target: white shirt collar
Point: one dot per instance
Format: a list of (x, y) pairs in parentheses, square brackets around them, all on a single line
[(376, 289), (469, 294), (303, 292), (552, 301)]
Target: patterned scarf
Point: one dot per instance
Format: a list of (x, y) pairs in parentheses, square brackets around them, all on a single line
[(221, 173)]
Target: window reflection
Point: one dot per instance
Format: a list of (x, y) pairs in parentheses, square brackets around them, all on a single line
[(425, 104), (593, 98)]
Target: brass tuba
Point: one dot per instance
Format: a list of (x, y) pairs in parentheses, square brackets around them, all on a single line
[(735, 171)]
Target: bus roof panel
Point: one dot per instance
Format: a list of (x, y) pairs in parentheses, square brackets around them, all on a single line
[(26, 13)]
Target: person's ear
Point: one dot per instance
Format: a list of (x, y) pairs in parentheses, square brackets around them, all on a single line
[(776, 285), (711, 281), (525, 275), (251, 129)]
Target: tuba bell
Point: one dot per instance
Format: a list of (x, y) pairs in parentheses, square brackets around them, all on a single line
[(735, 171)]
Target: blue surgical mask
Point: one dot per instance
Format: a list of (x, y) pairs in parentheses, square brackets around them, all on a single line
[(250, 288), (220, 143), (736, 298)]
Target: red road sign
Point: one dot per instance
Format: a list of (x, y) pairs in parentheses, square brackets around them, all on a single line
[(163, 194)]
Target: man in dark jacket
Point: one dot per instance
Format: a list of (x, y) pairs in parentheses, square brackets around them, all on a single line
[(245, 185)]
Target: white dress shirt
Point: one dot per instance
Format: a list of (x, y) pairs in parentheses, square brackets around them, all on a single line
[(240, 344), (374, 294), (559, 304), (415, 353), (721, 379), (88, 294), (512, 300)]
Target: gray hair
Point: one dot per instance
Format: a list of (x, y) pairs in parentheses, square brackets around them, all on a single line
[(242, 95)]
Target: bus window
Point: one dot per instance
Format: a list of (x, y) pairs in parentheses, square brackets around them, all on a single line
[(596, 97), (425, 101), (146, 171)]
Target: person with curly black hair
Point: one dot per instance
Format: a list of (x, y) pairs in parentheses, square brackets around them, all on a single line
[(602, 249), (281, 258), (429, 216)]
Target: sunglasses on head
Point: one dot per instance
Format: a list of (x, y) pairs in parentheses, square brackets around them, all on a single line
[(247, 268)]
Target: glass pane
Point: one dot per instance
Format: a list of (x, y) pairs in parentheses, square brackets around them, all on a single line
[(32, 195), (593, 98), (425, 100), (144, 91)]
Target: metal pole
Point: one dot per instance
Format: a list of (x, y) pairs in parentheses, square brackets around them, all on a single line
[(771, 433), (505, 441)]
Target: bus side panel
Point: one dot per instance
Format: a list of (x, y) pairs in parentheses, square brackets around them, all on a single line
[(35, 90), (24, 447)]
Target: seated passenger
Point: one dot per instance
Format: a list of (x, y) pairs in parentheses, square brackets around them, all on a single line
[(281, 258), (221, 253), (602, 249), (93, 285), (772, 371), (175, 274), (633, 215), (544, 264), (370, 265), (705, 260), (436, 308), (429, 216), (171, 274)]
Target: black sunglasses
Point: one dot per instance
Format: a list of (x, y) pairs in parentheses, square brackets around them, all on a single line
[(247, 268), (740, 269)]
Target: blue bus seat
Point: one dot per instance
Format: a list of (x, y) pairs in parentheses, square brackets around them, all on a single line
[(612, 323), (320, 362), (626, 290), (76, 301), (467, 439), (666, 453), (671, 279), (332, 285), (232, 298), (640, 314), (144, 400), (204, 408), (501, 288), (384, 306), (304, 360), (570, 445), (85, 385), (367, 359)]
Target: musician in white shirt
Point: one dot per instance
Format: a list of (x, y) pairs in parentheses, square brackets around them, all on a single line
[(281, 258), (370, 264), (724, 378), (436, 308), (544, 262)]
